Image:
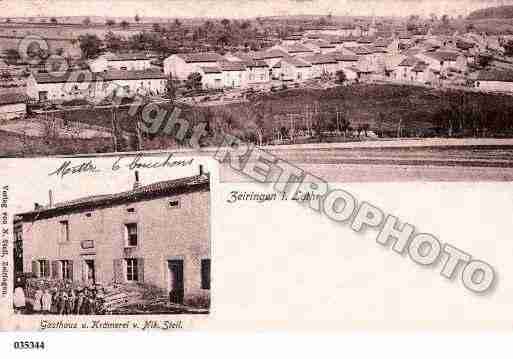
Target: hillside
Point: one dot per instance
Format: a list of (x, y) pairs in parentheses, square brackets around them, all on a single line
[(498, 12)]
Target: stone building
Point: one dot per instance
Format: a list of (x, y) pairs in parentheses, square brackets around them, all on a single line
[(157, 234)]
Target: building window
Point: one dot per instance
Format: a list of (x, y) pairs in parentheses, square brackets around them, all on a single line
[(64, 231), (173, 203), (67, 269), (130, 210), (131, 270), (44, 268), (205, 274), (131, 234)]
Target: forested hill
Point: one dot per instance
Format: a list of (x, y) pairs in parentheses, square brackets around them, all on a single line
[(499, 12)]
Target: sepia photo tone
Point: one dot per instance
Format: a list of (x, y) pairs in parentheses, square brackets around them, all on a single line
[(141, 251), (388, 89)]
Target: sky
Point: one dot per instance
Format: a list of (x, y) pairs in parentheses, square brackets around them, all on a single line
[(240, 8), (29, 180)]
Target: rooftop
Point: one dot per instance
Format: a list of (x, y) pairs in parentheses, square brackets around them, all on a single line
[(211, 69), (88, 76), (267, 54), (133, 56), (201, 57), (495, 75), (296, 48), (297, 62), (153, 190), (232, 65), (319, 59), (321, 44), (409, 61), (12, 98), (421, 66), (339, 56), (443, 55), (361, 50)]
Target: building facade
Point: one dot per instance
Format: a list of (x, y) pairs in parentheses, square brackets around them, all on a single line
[(12, 105), (155, 235), (71, 85)]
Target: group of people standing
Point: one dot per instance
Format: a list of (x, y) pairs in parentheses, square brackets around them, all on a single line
[(58, 301)]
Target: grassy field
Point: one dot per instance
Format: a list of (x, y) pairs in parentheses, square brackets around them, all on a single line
[(419, 111), (416, 111)]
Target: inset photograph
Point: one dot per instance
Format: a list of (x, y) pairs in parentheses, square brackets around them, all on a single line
[(142, 250)]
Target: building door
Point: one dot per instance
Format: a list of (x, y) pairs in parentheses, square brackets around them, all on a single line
[(176, 287), (90, 272)]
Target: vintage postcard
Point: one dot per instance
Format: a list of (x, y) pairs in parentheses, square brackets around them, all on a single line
[(113, 236), (256, 164)]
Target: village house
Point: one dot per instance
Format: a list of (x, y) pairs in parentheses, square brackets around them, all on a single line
[(270, 56), (292, 69), (344, 60), (130, 61), (494, 81), (123, 61), (156, 235), (65, 86), (349, 41), (12, 105), (404, 69), (422, 73), (234, 73), (180, 66), (294, 50), (387, 45), (320, 46), (443, 61), (257, 74), (211, 77), (322, 65), (257, 71)]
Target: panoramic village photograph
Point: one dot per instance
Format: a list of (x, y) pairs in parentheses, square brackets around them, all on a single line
[(421, 89), (144, 249)]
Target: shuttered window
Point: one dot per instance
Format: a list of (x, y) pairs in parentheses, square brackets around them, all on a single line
[(131, 234), (64, 229), (205, 274), (44, 268)]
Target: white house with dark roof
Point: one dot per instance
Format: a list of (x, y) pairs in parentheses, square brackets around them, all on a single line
[(403, 71), (322, 64), (211, 77), (292, 69), (270, 56), (345, 60), (12, 105), (138, 61), (180, 66), (443, 61), (156, 235), (320, 46), (65, 86), (234, 73), (257, 73)]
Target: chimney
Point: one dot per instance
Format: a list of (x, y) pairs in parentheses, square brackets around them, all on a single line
[(200, 169), (50, 198), (136, 183)]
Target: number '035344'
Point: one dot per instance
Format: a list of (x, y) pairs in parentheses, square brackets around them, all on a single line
[(28, 345)]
